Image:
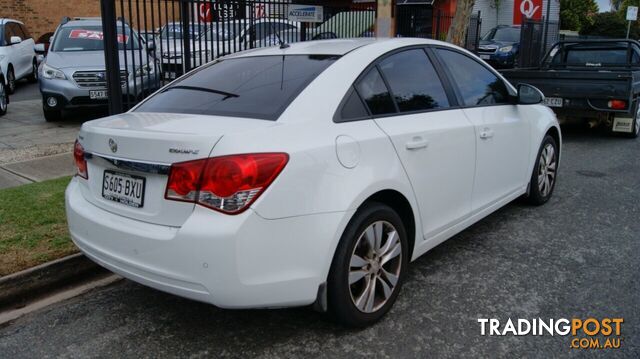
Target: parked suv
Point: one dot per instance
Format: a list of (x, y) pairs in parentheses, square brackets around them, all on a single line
[(500, 46), (17, 54), (73, 74)]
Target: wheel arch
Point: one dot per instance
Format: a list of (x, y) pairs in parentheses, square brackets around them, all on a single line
[(399, 203)]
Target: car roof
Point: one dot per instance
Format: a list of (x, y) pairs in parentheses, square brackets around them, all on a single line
[(6, 20), (333, 47)]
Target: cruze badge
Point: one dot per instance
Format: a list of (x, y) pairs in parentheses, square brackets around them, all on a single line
[(184, 151), (113, 145)]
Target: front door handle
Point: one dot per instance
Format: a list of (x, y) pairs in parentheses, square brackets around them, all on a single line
[(417, 143), (486, 134)]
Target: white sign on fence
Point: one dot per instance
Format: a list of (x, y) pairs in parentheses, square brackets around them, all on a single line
[(305, 13), (632, 13)]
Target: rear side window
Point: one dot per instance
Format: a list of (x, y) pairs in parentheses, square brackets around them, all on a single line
[(413, 81), (375, 94), (353, 107), (259, 87), (478, 86)]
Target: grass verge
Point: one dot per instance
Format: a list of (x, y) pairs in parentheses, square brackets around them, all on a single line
[(33, 225)]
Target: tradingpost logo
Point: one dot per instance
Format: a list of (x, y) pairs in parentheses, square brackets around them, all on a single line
[(588, 333)]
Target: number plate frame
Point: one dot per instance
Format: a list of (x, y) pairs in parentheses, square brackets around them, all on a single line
[(554, 101), (98, 95), (121, 198)]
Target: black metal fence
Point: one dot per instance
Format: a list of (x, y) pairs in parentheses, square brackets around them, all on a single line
[(171, 37), (536, 38)]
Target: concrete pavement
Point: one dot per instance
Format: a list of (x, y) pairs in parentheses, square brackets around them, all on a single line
[(32, 149)]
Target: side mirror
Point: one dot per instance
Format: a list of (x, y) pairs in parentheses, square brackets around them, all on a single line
[(39, 48), (529, 95), (15, 40)]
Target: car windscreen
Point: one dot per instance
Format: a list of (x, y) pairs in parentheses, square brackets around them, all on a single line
[(174, 31), (507, 34), (258, 87), (90, 38)]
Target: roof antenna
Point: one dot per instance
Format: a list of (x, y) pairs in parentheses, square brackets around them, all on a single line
[(282, 44)]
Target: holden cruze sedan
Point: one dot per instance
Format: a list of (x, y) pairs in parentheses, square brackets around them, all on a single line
[(308, 174)]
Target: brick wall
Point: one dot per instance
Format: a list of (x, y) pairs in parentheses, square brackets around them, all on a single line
[(42, 16)]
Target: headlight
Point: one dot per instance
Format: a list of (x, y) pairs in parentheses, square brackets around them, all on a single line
[(506, 49), (49, 72), (145, 69)]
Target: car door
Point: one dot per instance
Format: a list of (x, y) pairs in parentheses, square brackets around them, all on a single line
[(434, 141), (503, 135), (26, 49), (18, 50)]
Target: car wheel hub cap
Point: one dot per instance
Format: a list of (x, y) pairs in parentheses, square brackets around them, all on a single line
[(547, 171), (375, 266)]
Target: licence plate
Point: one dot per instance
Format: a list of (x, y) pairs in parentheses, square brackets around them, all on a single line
[(98, 94), (553, 101), (485, 57), (123, 188)]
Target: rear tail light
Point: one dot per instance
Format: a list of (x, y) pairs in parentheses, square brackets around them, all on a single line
[(227, 184), (81, 162), (617, 104)]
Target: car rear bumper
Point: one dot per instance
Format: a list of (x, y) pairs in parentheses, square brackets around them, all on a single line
[(241, 261)]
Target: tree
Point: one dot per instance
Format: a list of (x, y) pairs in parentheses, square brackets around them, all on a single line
[(458, 29), (609, 24), (574, 14)]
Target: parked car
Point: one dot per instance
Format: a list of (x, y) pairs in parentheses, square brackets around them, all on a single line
[(17, 54), (73, 74), (260, 181), (500, 46), (590, 80), (42, 46), (4, 95), (222, 39)]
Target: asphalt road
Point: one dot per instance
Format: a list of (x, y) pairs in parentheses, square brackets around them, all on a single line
[(577, 256)]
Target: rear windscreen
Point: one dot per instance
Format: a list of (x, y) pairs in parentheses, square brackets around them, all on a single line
[(255, 87), (595, 56)]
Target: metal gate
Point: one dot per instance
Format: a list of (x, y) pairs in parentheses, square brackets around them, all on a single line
[(536, 37), (171, 37)]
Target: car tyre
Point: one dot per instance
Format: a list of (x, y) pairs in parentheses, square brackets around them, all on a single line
[(635, 126), (52, 115), (4, 98), (33, 77), (544, 176), (11, 81), (368, 267)]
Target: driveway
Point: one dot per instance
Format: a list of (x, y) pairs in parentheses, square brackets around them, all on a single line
[(25, 136), (577, 256)]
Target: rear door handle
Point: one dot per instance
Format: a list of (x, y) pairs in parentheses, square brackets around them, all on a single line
[(486, 134), (417, 143)]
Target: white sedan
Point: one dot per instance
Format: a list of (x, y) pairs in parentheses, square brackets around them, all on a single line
[(311, 174)]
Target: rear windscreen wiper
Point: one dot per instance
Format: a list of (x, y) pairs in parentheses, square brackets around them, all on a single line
[(204, 89)]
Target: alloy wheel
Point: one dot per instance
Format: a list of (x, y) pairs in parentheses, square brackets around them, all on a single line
[(547, 169), (3, 98), (375, 266), (12, 81)]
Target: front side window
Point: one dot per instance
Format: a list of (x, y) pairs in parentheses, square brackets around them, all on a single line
[(259, 87), (413, 81), (477, 85), (375, 94), (90, 38)]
